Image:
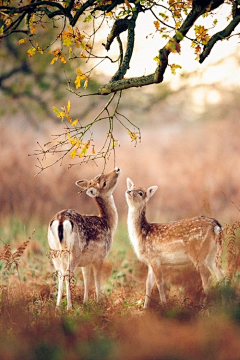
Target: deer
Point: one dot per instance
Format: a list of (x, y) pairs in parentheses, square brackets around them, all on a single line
[(84, 240), (196, 241)]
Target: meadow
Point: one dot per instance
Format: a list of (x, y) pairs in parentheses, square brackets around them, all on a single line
[(203, 179)]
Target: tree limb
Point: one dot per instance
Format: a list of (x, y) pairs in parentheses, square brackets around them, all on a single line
[(225, 33), (117, 84)]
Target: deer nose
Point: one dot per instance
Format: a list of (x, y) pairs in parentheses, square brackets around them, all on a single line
[(117, 169), (129, 191)]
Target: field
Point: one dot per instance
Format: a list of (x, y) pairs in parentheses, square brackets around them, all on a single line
[(203, 179)]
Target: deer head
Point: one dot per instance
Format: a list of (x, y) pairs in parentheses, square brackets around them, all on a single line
[(101, 185), (138, 197)]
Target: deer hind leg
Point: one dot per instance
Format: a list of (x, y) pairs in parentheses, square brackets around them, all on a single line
[(86, 279), (58, 264), (157, 270), (149, 286), (205, 277), (60, 288), (216, 269), (97, 268)]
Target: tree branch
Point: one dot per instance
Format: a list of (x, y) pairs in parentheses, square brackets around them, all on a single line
[(79, 12), (157, 77), (225, 33), (124, 66)]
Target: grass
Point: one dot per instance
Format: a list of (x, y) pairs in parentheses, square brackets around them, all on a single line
[(117, 328)]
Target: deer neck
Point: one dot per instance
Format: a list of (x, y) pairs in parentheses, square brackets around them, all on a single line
[(137, 222), (108, 211)]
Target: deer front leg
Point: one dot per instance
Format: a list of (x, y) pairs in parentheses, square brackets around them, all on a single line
[(149, 286), (86, 280), (157, 270), (97, 268)]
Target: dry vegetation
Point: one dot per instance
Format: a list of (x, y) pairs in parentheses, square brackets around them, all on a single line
[(197, 170)]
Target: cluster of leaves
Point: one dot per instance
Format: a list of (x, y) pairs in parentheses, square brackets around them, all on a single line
[(78, 138)]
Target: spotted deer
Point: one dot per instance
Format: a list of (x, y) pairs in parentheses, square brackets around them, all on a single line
[(196, 240), (84, 240)]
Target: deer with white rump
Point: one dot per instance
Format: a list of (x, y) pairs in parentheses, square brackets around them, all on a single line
[(84, 240), (197, 240)]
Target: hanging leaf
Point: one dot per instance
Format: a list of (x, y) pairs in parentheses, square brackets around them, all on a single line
[(73, 153)]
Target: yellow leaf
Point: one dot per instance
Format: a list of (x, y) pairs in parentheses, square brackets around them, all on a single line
[(133, 135), (31, 52), (69, 137), (22, 41), (79, 78), (68, 106), (73, 153), (75, 122), (53, 60)]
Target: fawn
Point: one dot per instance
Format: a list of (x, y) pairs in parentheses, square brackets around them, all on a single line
[(197, 240), (84, 240)]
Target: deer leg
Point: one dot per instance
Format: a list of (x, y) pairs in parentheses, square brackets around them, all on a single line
[(205, 276), (149, 286), (60, 288), (68, 289), (97, 268), (157, 270), (217, 270), (86, 280)]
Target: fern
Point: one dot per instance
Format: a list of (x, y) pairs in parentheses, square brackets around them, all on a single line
[(12, 258), (230, 231)]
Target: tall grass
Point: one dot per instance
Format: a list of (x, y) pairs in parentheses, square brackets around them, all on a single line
[(117, 328)]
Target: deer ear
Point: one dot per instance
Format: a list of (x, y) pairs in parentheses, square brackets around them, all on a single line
[(83, 184), (130, 184), (151, 191)]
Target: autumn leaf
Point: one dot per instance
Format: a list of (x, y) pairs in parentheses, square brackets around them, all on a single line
[(60, 114), (75, 122), (174, 67), (22, 41), (79, 78), (33, 29), (133, 135), (57, 56), (68, 106), (156, 24), (31, 52), (73, 153), (156, 58)]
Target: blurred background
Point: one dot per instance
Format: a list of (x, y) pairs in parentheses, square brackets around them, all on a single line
[(189, 144)]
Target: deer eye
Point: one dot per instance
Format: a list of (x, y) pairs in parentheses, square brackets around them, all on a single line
[(104, 184), (140, 193)]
